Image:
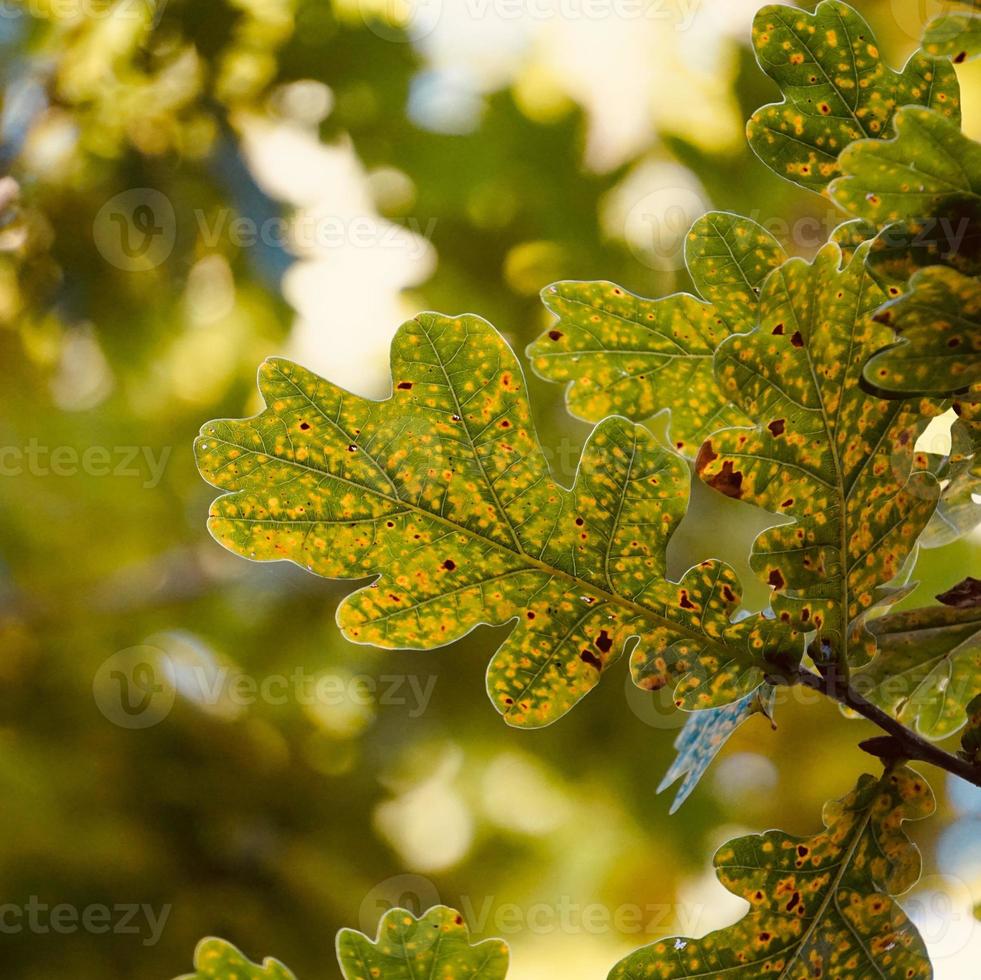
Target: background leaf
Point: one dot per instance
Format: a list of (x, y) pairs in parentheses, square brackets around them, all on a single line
[(971, 739), (819, 906), (435, 945), (954, 36), (927, 667), (837, 89)]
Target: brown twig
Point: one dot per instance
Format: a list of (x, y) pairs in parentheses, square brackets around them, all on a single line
[(900, 742)]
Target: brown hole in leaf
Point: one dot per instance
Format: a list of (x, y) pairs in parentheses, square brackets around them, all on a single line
[(588, 657), (776, 579), (405, 386), (797, 340), (304, 426), (777, 427), (603, 642), (727, 481), (555, 334), (685, 602), (705, 456), (449, 564)]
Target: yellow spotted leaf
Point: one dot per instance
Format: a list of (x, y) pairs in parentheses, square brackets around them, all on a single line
[(622, 354), (214, 959), (441, 494), (837, 89), (913, 173), (833, 460), (819, 906), (435, 945)]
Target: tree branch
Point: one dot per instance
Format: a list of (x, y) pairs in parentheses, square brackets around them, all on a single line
[(901, 743)]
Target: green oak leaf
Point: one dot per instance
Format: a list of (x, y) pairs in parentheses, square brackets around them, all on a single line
[(938, 330), (835, 460), (971, 739), (622, 354), (819, 906), (927, 668), (442, 493), (951, 236), (436, 945), (851, 235), (837, 89), (954, 36), (704, 735), (912, 175), (214, 959)]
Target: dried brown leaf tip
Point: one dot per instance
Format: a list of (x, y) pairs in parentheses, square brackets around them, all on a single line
[(964, 595)]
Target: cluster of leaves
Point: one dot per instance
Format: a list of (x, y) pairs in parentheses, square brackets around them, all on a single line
[(800, 387)]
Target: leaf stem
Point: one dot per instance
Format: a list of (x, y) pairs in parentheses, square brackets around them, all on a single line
[(900, 741)]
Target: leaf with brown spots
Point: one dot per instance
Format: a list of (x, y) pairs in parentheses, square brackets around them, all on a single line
[(622, 354), (435, 945), (954, 36), (835, 460), (837, 89), (820, 906), (704, 735), (442, 494), (214, 959), (937, 348), (927, 667)]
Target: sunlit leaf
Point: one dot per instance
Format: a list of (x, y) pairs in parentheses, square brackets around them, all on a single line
[(825, 454), (214, 959), (704, 735), (911, 174), (954, 36), (622, 354), (819, 906), (927, 668), (938, 326), (837, 89), (436, 945), (442, 493)]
